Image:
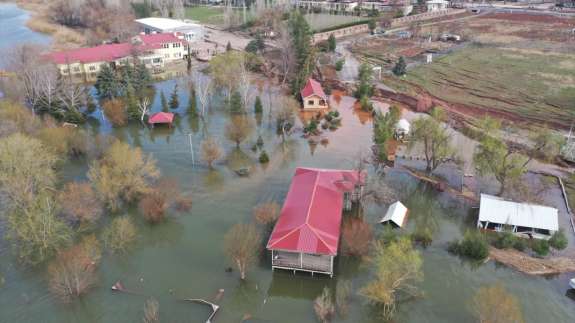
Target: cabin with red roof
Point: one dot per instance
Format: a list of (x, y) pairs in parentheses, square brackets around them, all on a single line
[(161, 117), (306, 235), (152, 50), (313, 96)]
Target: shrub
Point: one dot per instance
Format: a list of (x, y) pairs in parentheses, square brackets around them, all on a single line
[(423, 236), (505, 240), (520, 244), (153, 206), (211, 151), (356, 237), (540, 247), (80, 203), (323, 306), (366, 104), (120, 234), (115, 112), (339, 64), (266, 213), (473, 246), (558, 240), (264, 158)]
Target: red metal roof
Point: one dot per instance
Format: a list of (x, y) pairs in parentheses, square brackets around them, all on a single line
[(312, 87), (161, 117), (112, 52), (310, 219)]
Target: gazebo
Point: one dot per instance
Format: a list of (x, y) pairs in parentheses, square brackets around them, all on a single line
[(161, 117)]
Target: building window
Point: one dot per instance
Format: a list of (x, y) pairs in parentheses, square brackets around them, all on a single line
[(65, 71), (176, 45), (157, 60), (309, 102), (76, 69), (92, 68), (167, 55), (165, 45), (321, 102)]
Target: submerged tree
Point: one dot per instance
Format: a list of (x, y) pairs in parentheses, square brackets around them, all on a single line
[(266, 213), (331, 43), (241, 244), (301, 36), (163, 102), (174, 99), (342, 295), (80, 203), (72, 273), (151, 311), (494, 304), (435, 139), (238, 129), (36, 231), (120, 234), (211, 151), (122, 175), (323, 306), (398, 269), (356, 237), (26, 169)]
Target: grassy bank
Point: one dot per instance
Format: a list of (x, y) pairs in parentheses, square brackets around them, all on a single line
[(205, 15), (529, 84)]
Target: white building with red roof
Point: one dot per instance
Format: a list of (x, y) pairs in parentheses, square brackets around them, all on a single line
[(152, 50), (313, 96), (306, 235)]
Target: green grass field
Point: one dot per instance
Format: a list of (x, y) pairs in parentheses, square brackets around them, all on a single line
[(532, 84), (205, 15), (319, 21)]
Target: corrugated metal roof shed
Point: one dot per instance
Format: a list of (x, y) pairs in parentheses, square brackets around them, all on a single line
[(497, 210)]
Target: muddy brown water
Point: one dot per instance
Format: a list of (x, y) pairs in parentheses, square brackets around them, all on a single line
[(184, 258)]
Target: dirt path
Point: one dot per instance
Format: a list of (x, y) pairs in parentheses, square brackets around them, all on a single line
[(530, 265)]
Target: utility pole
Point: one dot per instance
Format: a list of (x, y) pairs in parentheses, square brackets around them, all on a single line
[(192, 148)]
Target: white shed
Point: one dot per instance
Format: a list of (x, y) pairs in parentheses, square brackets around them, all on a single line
[(402, 128), (436, 5), (192, 31), (536, 221), (396, 215)]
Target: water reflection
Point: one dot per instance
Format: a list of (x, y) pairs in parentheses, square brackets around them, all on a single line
[(299, 286), (213, 180)]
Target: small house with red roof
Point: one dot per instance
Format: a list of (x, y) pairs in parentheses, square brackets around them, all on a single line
[(306, 235), (161, 118), (313, 96), (152, 50)]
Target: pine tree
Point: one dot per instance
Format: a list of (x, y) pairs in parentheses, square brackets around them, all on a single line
[(258, 107), (400, 66), (132, 103), (228, 47), (331, 44), (192, 104), (174, 100), (90, 104), (106, 83), (141, 78), (236, 103), (300, 33), (164, 102)]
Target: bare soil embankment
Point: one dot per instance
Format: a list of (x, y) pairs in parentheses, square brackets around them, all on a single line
[(532, 266)]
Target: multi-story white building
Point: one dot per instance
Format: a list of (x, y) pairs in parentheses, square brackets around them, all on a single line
[(152, 50)]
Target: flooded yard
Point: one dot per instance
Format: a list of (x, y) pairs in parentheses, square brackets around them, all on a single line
[(184, 257)]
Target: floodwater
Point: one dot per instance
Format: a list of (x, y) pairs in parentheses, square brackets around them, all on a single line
[(184, 258), (13, 28)]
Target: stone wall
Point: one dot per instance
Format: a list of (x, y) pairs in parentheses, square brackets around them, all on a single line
[(342, 32)]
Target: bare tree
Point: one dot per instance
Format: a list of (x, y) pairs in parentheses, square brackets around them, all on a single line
[(238, 129), (144, 107), (266, 213), (323, 306), (242, 244), (203, 91), (287, 54), (80, 203), (211, 151)]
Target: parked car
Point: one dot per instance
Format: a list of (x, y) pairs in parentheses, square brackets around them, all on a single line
[(403, 34)]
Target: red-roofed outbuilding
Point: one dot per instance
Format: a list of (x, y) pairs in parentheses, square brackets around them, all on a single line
[(313, 96), (306, 236), (161, 117)]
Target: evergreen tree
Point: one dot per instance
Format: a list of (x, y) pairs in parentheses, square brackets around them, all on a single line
[(260, 43), (192, 104), (125, 79), (141, 78), (400, 66), (174, 100), (252, 47), (236, 105), (300, 33), (164, 102), (371, 25), (132, 103), (106, 83), (258, 107), (331, 44), (228, 47)]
